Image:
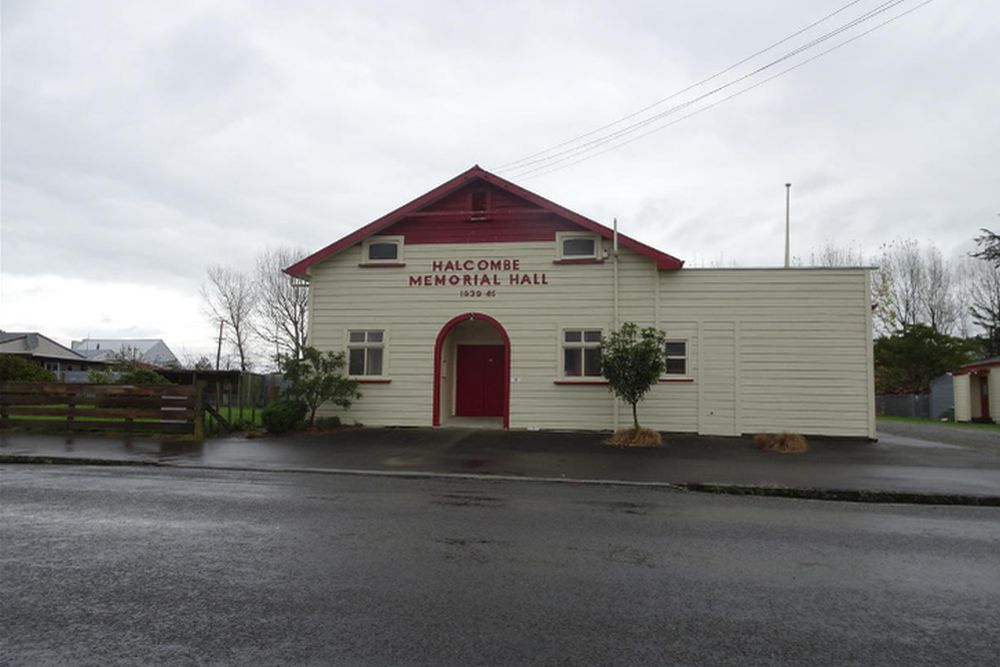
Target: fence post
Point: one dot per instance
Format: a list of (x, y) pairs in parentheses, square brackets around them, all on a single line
[(199, 410), (239, 399), (70, 408)]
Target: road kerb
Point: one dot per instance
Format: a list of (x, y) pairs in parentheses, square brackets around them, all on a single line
[(765, 490)]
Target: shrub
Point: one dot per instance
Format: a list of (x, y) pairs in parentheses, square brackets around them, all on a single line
[(18, 369), (327, 423), (283, 415), (318, 378), (95, 376), (782, 443), (141, 376), (636, 437)]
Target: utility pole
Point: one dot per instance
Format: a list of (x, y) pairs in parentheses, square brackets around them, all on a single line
[(218, 350), (788, 200)]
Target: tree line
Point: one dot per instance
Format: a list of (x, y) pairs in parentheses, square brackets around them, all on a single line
[(933, 315), (256, 309)]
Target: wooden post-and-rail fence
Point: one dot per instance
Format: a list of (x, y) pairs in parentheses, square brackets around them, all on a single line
[(148, 409)]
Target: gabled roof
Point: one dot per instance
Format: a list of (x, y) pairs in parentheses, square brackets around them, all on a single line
[(301, 268), (139, 344), (34, 344), (150, 350), (978, 366)]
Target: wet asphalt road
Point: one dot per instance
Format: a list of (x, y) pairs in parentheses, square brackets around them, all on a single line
[(166, 566)]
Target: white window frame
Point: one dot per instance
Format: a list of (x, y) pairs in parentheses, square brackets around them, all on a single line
[(581, 345), (366, 345), (562, 237), (686, 358), (371, 240)]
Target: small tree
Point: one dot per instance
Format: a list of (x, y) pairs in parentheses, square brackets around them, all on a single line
[(633, 361), (281, 308), (318, 378), (229, 298)]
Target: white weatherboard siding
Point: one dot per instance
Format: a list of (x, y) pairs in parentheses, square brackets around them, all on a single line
[(767, 349), (963, 397)]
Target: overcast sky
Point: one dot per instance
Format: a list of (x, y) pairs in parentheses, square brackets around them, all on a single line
[(144, 141)]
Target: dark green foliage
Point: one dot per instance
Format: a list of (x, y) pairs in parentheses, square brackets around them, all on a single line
[(140, 376), (633, 361), (130, 374), (328, 423), (906, 362), (318, 378), (14, 368), (283, 415)]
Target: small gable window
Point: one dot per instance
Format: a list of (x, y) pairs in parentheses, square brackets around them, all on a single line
[(576, 246), (382, 250)]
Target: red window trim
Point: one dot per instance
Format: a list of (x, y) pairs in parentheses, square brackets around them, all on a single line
[(676, 380), (381, 265), (586, 260), (372, 381)]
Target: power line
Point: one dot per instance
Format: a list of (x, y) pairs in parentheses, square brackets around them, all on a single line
[(795, 34), (548, 169), (594, 143)]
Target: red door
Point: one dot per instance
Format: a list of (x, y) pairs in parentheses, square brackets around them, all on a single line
[(479, 381), (984, 395)]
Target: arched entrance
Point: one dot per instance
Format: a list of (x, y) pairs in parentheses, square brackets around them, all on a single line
[(472, 369)]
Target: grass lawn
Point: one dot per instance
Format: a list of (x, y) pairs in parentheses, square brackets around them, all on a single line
[(248, 416), (917, 420)]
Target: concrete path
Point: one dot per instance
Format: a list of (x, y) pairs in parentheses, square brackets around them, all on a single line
[(897, 464)]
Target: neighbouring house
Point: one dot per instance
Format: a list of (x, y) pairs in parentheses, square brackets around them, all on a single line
[(977, 391), (482, 303), (46, 352), (152, 351)]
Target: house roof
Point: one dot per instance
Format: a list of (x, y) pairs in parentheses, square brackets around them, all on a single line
[(978, 366), (151, 350), (34, 344), (301, 269), (140, 344)]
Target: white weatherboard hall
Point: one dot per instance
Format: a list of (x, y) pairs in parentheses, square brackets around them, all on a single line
[(481, 301)]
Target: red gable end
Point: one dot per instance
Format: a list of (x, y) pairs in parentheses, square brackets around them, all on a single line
[(479, 207)]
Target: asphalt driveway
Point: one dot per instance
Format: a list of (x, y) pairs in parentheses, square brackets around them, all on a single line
[(973, 436)]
